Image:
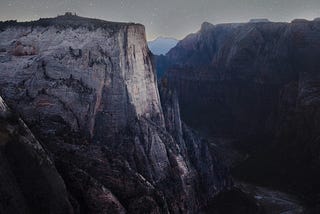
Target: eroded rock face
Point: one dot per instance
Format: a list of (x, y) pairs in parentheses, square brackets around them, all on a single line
[(194, 150), (257, 83), (98, 75), (30, 182), (90, 94)]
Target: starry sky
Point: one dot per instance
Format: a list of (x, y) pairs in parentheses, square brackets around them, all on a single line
[(169, 18)]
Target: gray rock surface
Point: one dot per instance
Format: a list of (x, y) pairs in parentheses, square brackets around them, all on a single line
[(30, 182), (87, 89)]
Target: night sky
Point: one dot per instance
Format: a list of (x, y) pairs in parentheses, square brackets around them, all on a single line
[(171, 18)]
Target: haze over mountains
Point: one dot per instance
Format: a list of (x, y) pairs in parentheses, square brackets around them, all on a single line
[(162, 45)]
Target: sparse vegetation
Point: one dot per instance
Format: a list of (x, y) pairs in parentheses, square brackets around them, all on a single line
[(68, 20)]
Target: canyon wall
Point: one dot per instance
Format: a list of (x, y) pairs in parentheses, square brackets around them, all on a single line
[(87, 90), (258, 84)]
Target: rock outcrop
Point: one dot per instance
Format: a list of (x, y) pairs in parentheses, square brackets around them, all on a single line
[(30, 182), (257, 83), (87, 89)]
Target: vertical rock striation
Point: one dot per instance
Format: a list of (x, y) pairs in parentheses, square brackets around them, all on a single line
[(29, 179), (87, 89)]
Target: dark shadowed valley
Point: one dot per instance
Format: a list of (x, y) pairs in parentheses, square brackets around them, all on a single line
[(253, 90)]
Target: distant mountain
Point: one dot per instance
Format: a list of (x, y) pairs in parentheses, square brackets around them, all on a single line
[(162, 45), (258, 20)]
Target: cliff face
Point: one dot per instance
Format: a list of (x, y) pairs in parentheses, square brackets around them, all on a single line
[(259, 84), (107, 74), (30, 182), (88, 91)]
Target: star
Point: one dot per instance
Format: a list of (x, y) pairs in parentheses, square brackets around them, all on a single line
[(122, 4)]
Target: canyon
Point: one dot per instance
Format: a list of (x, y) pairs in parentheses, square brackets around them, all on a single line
[(92, 122), (253, 90)]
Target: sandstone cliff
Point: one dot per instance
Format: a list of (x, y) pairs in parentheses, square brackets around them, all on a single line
[(30, 182), (87, 89)]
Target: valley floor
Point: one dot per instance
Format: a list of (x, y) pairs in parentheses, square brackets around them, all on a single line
[(272, 201), (268, 200)]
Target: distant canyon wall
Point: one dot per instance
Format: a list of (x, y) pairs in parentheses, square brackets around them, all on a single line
[(257, 83)]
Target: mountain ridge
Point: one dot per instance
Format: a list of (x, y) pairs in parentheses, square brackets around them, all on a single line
[(256, 83)]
